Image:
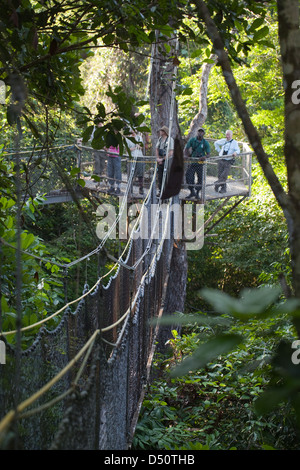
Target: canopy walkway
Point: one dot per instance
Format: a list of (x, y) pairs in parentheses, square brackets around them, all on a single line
[(75, 379), (79, 382), (239, 183)]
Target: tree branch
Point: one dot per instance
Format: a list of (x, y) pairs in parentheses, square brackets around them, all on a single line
[(200, 117), (252, 134)]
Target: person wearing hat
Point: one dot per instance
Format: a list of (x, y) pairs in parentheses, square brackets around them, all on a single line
[(164, 143), (198, 149)]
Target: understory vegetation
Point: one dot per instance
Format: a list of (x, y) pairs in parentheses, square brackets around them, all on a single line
[(217, 406), (214, 408), (72, 59)]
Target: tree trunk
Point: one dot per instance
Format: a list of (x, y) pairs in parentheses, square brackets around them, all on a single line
[(176, 293), (161, 86), (289, 38), (200, 118)]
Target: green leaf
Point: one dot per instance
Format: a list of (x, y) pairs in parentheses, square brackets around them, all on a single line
[(196, 53), (101, 110), (81, 182), (87, 133), (209, 61), (261, 33), (206, 352), (256, 24), (32, 127), (252, 302), (4, 304), (189, 319), (27, 240), (96, 178), (270, 399), (75, 171), (238, 25), (9, 222), (187, 91)]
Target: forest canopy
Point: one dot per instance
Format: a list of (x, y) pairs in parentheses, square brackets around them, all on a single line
[(67, 66)]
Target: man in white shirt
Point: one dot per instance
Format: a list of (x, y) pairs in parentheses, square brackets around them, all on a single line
[(228, 148)]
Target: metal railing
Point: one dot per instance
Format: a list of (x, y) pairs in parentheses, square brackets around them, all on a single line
[(52, 174), (238, 182)]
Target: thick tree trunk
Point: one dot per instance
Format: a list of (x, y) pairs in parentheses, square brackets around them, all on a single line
[(176, 292), (161, 86), (289, 38)]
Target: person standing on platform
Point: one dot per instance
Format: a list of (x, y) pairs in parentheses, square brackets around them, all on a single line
[(228, 148), (164, 142), (197, 148), (137, 152)]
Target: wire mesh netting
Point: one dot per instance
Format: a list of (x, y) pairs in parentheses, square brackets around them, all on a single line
[(91, 406), (78, 386)]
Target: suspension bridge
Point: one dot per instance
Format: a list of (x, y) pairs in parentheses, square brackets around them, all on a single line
[(81, 381)]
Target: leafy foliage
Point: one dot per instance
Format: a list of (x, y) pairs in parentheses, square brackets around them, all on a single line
[(46, 42), (41, 282), (215, 395)]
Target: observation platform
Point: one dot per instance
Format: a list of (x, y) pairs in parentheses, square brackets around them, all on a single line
[(238, 182), (59, 187)]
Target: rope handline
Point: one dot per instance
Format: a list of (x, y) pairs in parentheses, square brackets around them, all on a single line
[(82, 296), (6, 333), (89, 344), (140, 283), (119, 261), (42, 149), (87, 348)]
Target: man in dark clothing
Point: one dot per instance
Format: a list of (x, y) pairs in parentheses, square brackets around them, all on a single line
[(197, 148)]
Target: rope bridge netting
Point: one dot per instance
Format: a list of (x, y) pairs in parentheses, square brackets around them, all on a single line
[(79, 384)]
